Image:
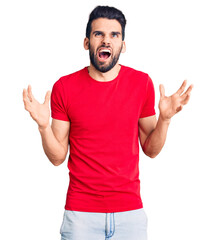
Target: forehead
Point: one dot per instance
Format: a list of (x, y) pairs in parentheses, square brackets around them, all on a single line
[(106, 25)]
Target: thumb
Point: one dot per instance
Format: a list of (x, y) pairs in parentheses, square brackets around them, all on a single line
[(47, 97), (162, 90)]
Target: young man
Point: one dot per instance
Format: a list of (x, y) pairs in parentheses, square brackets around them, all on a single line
[(101, 111)]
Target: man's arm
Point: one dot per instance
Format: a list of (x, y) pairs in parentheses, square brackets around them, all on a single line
[(152, 133), (55, 137), (55, 141)]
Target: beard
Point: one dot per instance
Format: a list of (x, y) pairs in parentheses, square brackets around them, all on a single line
[(104, 66)]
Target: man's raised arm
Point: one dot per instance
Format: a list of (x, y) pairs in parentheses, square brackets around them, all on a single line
[(152, 133), (54, 137)]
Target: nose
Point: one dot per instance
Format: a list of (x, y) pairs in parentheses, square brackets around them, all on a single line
[(106, 40)]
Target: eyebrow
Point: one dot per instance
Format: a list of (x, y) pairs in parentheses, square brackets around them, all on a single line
[(117, 33), (113, 32), (97, 32)]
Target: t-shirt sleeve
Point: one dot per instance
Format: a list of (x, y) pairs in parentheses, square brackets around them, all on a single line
[(58, 102), (148, 107)]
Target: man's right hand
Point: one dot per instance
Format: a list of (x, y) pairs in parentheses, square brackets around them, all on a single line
[(39, 112)]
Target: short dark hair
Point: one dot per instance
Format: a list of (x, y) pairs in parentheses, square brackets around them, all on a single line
[(109, 13)]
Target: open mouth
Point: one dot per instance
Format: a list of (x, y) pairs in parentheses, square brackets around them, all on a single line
[(104, 54)]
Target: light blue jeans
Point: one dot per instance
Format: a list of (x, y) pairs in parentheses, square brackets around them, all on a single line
[(128, 225)]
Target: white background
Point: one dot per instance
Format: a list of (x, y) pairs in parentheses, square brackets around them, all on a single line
[(170, 40)]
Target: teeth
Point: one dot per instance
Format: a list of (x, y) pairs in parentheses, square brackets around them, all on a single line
[(105, 50)]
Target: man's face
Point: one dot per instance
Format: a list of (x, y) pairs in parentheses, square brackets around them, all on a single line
[(105, 44)]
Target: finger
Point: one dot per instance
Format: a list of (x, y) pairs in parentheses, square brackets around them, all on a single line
[(25, 94), (188, 91), (162, 90), (182, 88), (186, 99), (47, 97), (30, 95), (26, 100), (186, 96)]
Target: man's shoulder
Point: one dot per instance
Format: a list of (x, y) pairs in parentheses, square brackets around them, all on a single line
[(72, 76), (69, 81), (132, 72)]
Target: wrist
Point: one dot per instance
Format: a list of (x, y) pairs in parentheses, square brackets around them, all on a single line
[(164, 120), (43, 128)]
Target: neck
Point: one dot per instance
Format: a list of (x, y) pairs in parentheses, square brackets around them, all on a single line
[(104, 77)]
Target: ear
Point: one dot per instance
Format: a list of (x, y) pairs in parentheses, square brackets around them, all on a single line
[(86, 43), (123, 47)]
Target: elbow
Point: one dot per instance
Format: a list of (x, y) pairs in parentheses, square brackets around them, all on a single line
[(151, 155), (57, 162), (150, 151)]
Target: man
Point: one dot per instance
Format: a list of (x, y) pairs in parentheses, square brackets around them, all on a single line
[(101, 111)]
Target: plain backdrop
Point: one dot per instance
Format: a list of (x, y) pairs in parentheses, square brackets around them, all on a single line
[(171, 41)]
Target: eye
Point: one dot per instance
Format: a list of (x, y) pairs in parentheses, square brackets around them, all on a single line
[(98, 34), (115, 35)]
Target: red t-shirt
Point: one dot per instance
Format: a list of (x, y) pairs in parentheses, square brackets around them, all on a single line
[(104, 147)]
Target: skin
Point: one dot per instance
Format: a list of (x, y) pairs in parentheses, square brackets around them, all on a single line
[(152, 132), (107, 27)]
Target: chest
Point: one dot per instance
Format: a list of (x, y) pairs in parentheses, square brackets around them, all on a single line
[(109, 108)]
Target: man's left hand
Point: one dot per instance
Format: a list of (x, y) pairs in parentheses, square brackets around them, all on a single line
[(171, 105)]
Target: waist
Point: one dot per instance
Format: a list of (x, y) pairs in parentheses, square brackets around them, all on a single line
[(98, 202)]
